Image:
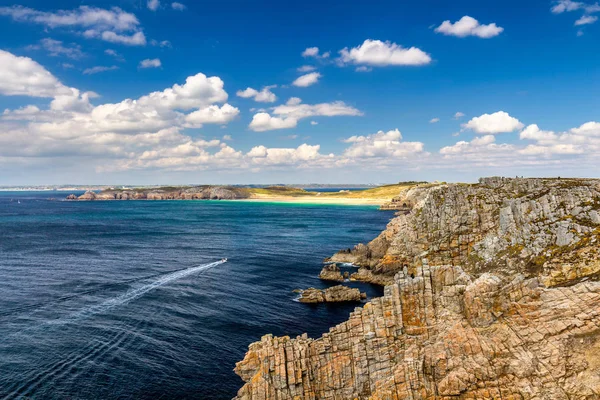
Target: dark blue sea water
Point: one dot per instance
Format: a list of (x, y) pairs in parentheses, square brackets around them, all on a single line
[(88, 309)]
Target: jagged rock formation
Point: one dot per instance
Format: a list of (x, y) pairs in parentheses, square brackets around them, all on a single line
[(335, 294), (193, 193), (331, 272), (492, 294)]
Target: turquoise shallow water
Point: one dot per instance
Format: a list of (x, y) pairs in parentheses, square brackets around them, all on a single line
[(101, 299)]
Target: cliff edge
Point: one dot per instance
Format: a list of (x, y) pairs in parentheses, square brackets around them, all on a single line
[(538, 227), (492, 293)]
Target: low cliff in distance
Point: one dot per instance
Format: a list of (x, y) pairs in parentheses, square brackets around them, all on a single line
[(168, 193), (492, 293)]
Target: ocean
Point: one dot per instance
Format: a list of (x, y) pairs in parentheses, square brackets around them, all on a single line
[(128, 300)]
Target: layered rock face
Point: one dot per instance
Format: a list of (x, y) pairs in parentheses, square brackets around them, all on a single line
[(335, 294), (492, 294)]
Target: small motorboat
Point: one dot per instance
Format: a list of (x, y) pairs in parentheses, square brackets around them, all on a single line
[(223, 260)]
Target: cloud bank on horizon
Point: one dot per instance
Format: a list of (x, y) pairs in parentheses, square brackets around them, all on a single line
[(164, 116)]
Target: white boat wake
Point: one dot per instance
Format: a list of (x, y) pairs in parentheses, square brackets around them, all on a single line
[(69, 365), (136, 293)]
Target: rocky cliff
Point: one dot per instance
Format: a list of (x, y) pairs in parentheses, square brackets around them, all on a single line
[(492, 293), (537, 227)]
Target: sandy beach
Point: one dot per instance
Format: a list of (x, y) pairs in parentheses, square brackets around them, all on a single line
[(318, 200)]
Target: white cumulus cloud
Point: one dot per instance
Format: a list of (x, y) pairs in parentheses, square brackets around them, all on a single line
[(478, 150), (382, 145), (21, 76), (150, 63), (263, 96), (213, 115), (590, 129), (307, 80), (137, 39), (263, 121), (497, 122), (469, 26), (380, 54), (262, 155), (533, 132), (178, 6)]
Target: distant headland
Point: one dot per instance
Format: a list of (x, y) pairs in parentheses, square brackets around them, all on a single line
[(379, 195)]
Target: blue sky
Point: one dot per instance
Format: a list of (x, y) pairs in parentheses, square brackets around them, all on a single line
[(380, 103)]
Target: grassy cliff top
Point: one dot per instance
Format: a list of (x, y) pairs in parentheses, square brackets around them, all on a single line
[(377, 195)]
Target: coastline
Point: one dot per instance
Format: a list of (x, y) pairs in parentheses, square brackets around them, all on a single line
[(317, 201), (381, 196)]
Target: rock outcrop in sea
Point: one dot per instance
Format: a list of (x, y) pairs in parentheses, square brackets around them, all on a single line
[(492, 292), (331, 272), (335, 294)]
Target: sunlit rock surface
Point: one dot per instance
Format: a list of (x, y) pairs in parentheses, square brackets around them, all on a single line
[(492, 294)]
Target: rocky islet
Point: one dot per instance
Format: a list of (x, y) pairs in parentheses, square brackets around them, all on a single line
[(334, 294)]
